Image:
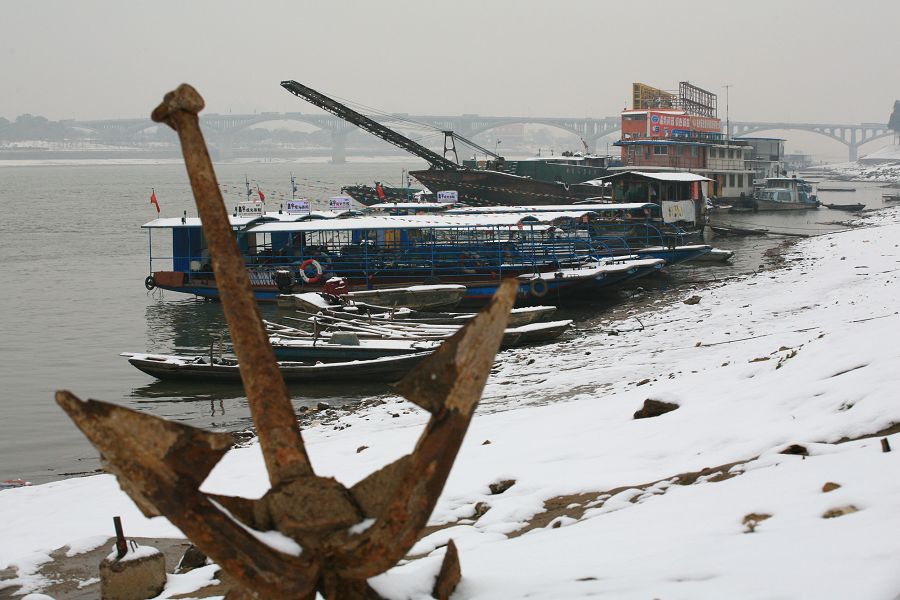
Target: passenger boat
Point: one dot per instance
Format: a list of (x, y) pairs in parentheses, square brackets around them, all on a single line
[(285, 255), (891, 197), (785, 193), (202, 368)]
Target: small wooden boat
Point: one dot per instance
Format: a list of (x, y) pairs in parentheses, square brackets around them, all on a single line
[(344, 347), (846, 207), (716, 255), (311, 303), (327, 327), (737, 231), (417, 297), (200, 368), (893, 197)]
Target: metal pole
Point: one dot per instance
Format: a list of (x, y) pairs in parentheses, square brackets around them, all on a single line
[(727, 114)]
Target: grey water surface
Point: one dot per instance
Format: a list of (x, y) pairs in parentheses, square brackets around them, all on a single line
[(74, 258)]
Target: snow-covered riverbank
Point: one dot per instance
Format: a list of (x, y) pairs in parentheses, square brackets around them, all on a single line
[(699, 502)]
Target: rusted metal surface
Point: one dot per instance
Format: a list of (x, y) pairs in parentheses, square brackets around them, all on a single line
[(162, 464), (449, 575), (121, 544)]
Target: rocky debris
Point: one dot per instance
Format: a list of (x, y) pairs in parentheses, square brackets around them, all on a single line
[(642, 382), (501, 486), (796, 449), (751, 521), (839, 512), (193, 558), (692, 300), (830, 486), (323, 406), (654, 408), (361, 448), (480, 509), (485, 442)]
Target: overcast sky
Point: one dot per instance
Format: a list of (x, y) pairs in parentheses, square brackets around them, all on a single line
[(787, 60)]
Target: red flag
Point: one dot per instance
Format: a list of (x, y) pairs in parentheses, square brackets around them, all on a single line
[(154, 201), (379, 190), (262, 197)]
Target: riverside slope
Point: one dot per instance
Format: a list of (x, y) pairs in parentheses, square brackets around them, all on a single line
[(806, 354)]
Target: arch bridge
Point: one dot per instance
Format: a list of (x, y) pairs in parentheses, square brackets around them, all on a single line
[(852, 136), (588, 128)]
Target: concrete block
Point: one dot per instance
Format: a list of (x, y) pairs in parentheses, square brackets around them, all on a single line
[(139, 575)]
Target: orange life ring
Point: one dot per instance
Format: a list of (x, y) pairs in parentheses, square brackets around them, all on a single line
[(538, 287), (311, 263)]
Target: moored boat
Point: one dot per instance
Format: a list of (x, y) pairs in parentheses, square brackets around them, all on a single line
[(785, 193), (845, 207), (201, 368)]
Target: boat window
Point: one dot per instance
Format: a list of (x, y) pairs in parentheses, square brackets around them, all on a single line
[(660, 149)]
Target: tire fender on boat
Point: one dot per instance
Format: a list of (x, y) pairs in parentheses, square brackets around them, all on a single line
[(149, 283), (538, 288), (315, 265)]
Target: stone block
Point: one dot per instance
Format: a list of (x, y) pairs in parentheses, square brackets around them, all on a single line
[(139, 575)]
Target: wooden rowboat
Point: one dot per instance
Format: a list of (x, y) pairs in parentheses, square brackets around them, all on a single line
[(200, 368), (846, 207)]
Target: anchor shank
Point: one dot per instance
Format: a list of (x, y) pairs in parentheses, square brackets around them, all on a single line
[(270, 405)]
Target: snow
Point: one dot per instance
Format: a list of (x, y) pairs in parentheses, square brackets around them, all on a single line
[(806, 354), (135, 552), (273, 539), (882, 165)]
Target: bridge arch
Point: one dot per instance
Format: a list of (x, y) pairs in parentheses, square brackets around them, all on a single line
[(852, 136)]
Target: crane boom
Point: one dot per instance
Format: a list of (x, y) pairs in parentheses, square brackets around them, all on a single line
[(363, 122)]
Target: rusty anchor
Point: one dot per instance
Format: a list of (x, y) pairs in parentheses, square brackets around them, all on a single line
[(336, 537)]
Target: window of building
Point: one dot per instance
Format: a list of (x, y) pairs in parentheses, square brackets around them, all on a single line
[(660, 149), (741, 180), (731, 154), (731, 180)]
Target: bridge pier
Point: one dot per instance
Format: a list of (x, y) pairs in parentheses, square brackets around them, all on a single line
[(338, 147), (226, 146)]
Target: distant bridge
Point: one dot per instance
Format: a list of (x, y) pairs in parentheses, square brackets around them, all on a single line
[(591, 130)]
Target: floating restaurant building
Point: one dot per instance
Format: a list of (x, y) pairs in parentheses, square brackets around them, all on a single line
[(668, 132)]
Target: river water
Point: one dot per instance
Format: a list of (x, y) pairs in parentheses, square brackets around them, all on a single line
[(74, 258)]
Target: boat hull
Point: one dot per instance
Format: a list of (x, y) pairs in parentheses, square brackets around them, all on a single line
[(489, 188), (179, 368), (770, 205)]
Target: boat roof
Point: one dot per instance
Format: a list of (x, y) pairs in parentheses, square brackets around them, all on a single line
[(422, 205), (241, 222), (562, 208), (427, 221), (663, 176)]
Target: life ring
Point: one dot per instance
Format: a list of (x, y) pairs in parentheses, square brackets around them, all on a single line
[(149, 283), (314, 264), (538, 288)]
